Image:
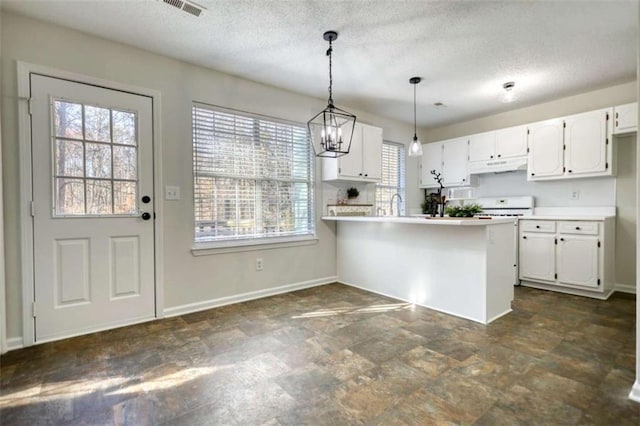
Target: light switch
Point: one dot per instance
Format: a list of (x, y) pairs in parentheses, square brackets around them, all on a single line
[(171, 192)]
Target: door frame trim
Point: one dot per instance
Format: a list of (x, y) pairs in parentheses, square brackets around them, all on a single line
[(24, 71)]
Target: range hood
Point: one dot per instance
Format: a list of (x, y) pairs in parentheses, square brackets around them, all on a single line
[(498, 166)]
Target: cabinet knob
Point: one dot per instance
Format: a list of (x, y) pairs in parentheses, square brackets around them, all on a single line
[(533, 174), (577, 228), (366, 174), (464, 179), (491, 156), (499, 155), (524, 237), (561, 239), (537, 226), (569, 171), (359, 174)]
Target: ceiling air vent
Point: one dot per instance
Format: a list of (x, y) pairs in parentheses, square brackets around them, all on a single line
[(186, 6)]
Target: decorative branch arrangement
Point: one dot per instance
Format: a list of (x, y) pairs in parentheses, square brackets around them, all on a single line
[(440, 198)]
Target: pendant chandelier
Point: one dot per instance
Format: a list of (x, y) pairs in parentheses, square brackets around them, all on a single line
[(331, 130), (415, 148)]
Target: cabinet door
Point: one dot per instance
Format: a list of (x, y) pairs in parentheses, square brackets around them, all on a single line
[(431, 160), (537, 258), (511, 142), (482, 146), (350, 165), (625, 118), (578, 261), (585, 139), (372, 152), (455, 163), (545, 140)]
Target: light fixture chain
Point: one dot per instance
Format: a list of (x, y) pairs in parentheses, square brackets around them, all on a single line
[(329, 52)]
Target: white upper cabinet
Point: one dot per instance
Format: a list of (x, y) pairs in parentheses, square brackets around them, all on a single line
[(450, 158), (511, 142), (431, 160), (586, 141), (455, 165), (545, 149), (482, 146), (364, 160), (576, 146), (504, 143), (625, 118)]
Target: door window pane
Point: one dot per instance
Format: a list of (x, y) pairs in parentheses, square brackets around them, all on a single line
[(124, 127), (67, 119), (124, 162), (97, 124), (124, 197), (69, 196), (94, 175), (69, 158), (98, 160), (99, 197)]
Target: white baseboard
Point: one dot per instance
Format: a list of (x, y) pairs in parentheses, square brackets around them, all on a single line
[(14, 343), (625, 288), (634, 395), (244, 297)]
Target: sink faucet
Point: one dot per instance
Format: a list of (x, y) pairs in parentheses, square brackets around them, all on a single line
[(391, 203)]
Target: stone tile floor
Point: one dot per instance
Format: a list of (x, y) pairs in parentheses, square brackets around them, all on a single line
[(337, 355)]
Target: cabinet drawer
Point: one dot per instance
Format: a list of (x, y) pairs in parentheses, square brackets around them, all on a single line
[(578, 227), (537, 225)]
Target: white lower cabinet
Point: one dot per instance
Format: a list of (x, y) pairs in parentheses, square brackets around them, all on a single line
[(571, 256)]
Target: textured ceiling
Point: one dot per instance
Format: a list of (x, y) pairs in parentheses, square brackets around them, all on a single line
[(463, 50)]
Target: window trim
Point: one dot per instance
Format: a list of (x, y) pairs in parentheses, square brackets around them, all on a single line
[(403, 179), (240, 243)]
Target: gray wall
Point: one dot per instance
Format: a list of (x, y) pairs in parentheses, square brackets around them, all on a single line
[(557, 193), (188, 279)]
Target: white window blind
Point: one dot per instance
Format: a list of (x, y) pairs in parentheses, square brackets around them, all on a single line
[(253, 177), (393, 178)]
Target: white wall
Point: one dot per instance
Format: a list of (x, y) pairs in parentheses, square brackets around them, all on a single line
[(620, 191), (188, 279)]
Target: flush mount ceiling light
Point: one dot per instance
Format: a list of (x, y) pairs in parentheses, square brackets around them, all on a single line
[(509, 95), (331, 130), (415, 148)]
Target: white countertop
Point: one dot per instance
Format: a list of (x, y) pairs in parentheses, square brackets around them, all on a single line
[(421, 220)]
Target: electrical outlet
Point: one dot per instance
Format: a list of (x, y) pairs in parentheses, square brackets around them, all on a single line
[(171, 192), (259, 264), (575, 194)]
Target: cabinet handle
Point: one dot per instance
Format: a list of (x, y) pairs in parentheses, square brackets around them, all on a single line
[(463, 179), (616, 123), (499, 155), (533, 174), (491, 156), (577, 228), (616, 115), (366, 175), (359, 174), (524, 237), (569, 171), (561, 239), (537, 226)]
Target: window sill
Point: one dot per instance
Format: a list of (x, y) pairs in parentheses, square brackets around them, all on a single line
[(207, 249)]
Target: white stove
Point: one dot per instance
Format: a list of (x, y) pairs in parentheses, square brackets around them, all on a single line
[(506, 206)]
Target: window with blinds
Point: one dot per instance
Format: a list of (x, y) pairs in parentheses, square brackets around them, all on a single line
[(253, 177), (393, 178)]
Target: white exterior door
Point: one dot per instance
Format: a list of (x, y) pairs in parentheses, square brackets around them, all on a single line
[(537, 257), (586, 143), (93, 213), (578, 261), (545, 142)]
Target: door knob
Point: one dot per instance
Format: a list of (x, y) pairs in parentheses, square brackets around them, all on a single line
[(146, 199), (146, 216)]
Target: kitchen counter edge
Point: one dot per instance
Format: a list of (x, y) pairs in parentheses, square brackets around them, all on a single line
[(418, 220)]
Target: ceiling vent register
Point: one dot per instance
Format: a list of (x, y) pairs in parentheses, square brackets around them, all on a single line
[(186, 6)]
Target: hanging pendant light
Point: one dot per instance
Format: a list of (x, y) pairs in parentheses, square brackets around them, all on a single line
[(415, 148), (332, 128)]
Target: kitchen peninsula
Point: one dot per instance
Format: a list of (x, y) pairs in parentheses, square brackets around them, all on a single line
[(461, 266)]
